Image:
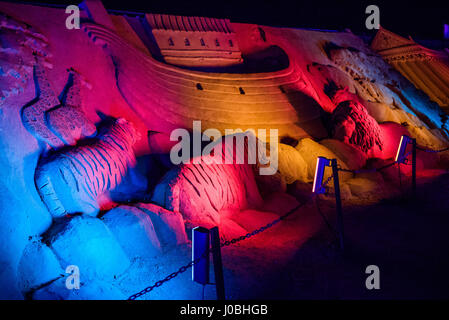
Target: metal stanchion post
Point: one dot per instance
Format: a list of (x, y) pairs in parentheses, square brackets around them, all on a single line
[(414, 168), (218, 266), (338, 203), (200, 248)]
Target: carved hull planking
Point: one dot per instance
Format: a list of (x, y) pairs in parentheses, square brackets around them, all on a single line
[(157, 91)]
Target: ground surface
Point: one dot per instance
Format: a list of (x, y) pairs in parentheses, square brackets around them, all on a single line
[(408, 240)]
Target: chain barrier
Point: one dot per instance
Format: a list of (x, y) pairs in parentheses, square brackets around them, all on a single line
[(267, 226), (430, 150), (393, 163), (367, 170), (225, 244), (169, 277)]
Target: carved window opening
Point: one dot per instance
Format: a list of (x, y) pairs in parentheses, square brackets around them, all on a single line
[(170, 42), (262, 34), (241, 90), (202, 42), (231, 44), (199, 86), (217, 43), (187, 42)]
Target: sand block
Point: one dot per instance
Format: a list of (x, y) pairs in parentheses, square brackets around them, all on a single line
[(169, 225), (134, 231), (37, 266), (291, 164), (88, 243)]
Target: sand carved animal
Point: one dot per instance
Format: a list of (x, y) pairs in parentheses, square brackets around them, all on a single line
[(350, 120), (68, 120), (55, 123), (353, 124), (216, 186), (77, 180), (33, 115)]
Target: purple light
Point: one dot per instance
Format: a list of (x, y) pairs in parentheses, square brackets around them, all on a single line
[(321, 164), (400, 154)]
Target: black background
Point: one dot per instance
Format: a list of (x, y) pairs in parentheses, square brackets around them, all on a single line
[(421, 19)]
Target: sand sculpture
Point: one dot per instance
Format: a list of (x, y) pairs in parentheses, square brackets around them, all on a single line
[(52, 122), (75, 180), (20, 43), (427, 69), (213, 186), (68, 121), (194, 41), (228, 101), (352, 123), (327, 94)]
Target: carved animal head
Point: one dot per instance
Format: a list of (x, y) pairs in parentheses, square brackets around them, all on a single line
[(353, 124), (126, 130)]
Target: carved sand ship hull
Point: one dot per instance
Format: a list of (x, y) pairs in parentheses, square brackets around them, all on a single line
[(168, 97)]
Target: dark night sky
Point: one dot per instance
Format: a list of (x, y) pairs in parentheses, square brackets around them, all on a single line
[(423, 19)]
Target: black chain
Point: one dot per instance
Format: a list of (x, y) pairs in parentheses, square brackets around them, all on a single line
[(161, 282), (390, 164), (257, 231), (274, 222), (224, 244), (386, 166), (169, 277), (366, 170), (431, 151)]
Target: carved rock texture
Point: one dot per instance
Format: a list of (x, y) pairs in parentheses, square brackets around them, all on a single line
[(75, 180), (19, 43), (370, 81), (378, 82), (291, 164)]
